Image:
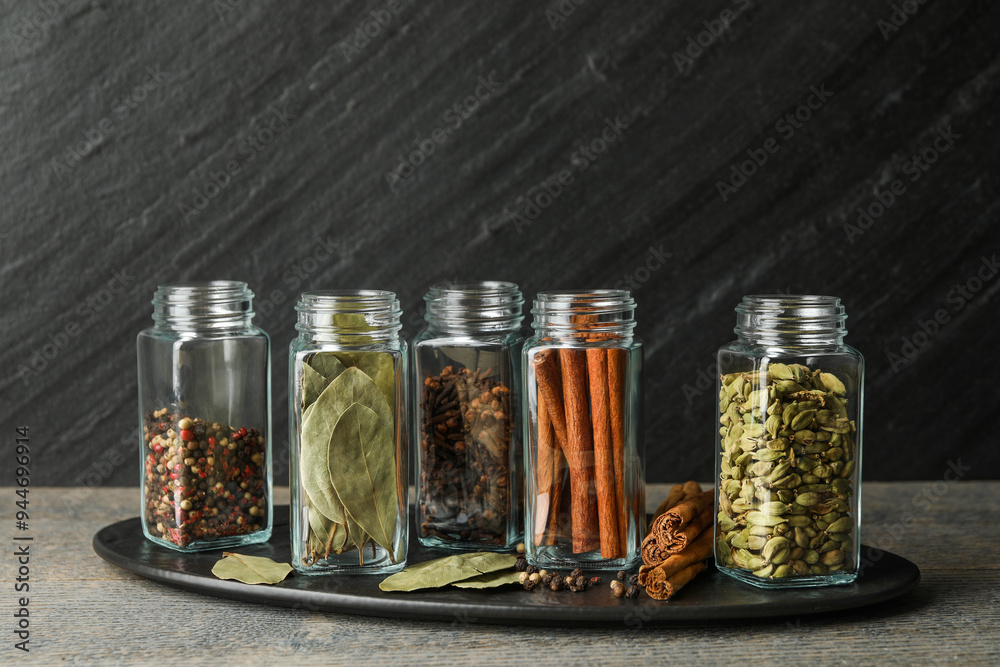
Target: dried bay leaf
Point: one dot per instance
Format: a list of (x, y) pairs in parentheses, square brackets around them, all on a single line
[(361, 463), (379, 367), (319, 420), (326, 364), (448, 570), (313, 384), (330, 536), (250, 569), (491, 580)]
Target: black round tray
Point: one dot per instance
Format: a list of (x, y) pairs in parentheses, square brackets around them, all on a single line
[(710, 596)]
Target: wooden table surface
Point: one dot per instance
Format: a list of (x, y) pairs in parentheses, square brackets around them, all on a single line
[(84, 610)]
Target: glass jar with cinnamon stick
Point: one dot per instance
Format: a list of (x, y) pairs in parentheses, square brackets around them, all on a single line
[(788, 448), (585, 491), (467, 372)]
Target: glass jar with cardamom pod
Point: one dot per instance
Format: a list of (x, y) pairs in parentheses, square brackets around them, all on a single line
[(347, 421), (204, 418), (585, 491), (466, 365), (788, 449)]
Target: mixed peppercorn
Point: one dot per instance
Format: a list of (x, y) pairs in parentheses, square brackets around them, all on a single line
[(203, 480)]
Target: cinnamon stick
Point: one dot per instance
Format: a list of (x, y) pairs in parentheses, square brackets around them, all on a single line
[(579, 450), (616, 394), (672, 538), (608, 500), (699, 550), (549, 381), (544, 471), (667, 588), (675, 496), (691, 488)]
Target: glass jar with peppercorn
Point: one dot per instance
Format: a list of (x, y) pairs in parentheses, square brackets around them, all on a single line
[(467, 386), (788, 447), (204, 419), (585, 497), (347, 420)]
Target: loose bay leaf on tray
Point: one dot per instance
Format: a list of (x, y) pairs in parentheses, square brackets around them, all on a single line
[(362, 467), (491, 580), (448, 570), (250, 569)]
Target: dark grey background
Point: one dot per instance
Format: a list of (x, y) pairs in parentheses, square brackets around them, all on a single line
[(71, 225)]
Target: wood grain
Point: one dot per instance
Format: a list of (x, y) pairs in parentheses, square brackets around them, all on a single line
[(313, 208), (88, 611)]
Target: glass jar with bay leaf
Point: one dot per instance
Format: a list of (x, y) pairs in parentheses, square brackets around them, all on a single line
[(466, 384), (347, 415), (585, 492), (788, 450), (204, 417)]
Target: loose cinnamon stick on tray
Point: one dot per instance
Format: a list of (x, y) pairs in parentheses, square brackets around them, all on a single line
[(672, 538), (666, 589), (608, 501), (675, 496), (684, 513), (699, 550), (579, 450)]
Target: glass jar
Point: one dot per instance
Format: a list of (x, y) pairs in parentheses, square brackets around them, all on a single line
[(467, 387), (204, 415), (585, 481), (789, 447), (347, 416)]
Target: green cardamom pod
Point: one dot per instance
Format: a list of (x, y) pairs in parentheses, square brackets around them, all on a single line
[(726, 524), (765, 571), (848, 469), (774, 508), (819, 569), (778, 444), (780, 471), (788, 482), (841, 525), (799, 520), (773, 546), (782, 571), (762, 519), (801, 538), (807, 499), (800, 567), (805, 437), (834, 557), (832, 383), (811, 557), (768, 455), (802, 419), (780, 371)]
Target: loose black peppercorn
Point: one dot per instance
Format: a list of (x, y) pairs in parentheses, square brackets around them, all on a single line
[(621, 575), (521, 565), (531, 569), (632, 592), (547, 579), (634, 580), (576, 573), (530, 584)]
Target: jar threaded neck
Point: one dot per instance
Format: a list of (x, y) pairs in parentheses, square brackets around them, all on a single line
[(593, 312), (474, 307), (203, 306), (351, 315), (793, 320)]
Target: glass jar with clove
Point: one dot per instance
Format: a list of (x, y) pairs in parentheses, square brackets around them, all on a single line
[(585, 490), (467, 379)]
